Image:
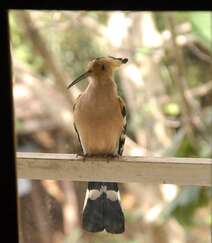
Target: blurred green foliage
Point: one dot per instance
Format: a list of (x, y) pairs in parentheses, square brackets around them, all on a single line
[(189, 199), (185, 204), (186, 149), (22, 47), (202, 26)]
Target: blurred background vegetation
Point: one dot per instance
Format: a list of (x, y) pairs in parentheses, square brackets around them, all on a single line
[(167, 87)]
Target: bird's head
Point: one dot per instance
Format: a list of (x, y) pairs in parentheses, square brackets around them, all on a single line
[(100, 68)]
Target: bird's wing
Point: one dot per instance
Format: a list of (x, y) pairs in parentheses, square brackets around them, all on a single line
[(122, 137), (75, 124)]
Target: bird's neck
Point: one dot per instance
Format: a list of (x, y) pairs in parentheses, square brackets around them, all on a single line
[(100, 97), (104, 86)]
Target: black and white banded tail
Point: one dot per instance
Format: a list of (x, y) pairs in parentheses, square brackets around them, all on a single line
[(102, 209)]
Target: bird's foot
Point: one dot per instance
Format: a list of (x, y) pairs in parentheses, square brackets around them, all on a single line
[(110, 157), (84, 156)]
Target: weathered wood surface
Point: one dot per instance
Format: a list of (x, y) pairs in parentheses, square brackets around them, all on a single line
[(181, 171)]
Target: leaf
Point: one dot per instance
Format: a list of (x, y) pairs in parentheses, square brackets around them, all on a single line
[(186, 149), (202, 26)]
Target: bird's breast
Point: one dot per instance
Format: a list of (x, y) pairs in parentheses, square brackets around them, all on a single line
[(99, 123)]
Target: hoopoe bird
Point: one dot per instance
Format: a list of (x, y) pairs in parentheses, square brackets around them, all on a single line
[(100, 123)]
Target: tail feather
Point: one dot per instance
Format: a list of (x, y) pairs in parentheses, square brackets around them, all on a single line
[(113, 217), (92, 219), (102, 208)]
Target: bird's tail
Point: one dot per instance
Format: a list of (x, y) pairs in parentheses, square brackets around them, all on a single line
[(102, 209)]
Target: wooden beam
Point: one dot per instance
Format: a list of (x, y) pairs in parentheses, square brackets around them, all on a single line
[(181, 171)]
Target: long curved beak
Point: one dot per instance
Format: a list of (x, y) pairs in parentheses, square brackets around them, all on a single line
[(81, 77)]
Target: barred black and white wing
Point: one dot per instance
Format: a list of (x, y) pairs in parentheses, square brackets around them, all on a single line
[(75, 128), (123, 134)]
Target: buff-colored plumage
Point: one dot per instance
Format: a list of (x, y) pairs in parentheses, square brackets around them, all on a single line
[(98, 114), (98, 119)]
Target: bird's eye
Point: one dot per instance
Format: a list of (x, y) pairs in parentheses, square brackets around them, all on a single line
[(103, 67)]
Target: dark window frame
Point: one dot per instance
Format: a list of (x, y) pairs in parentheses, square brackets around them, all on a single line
[(8, 175), (8, 201)]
